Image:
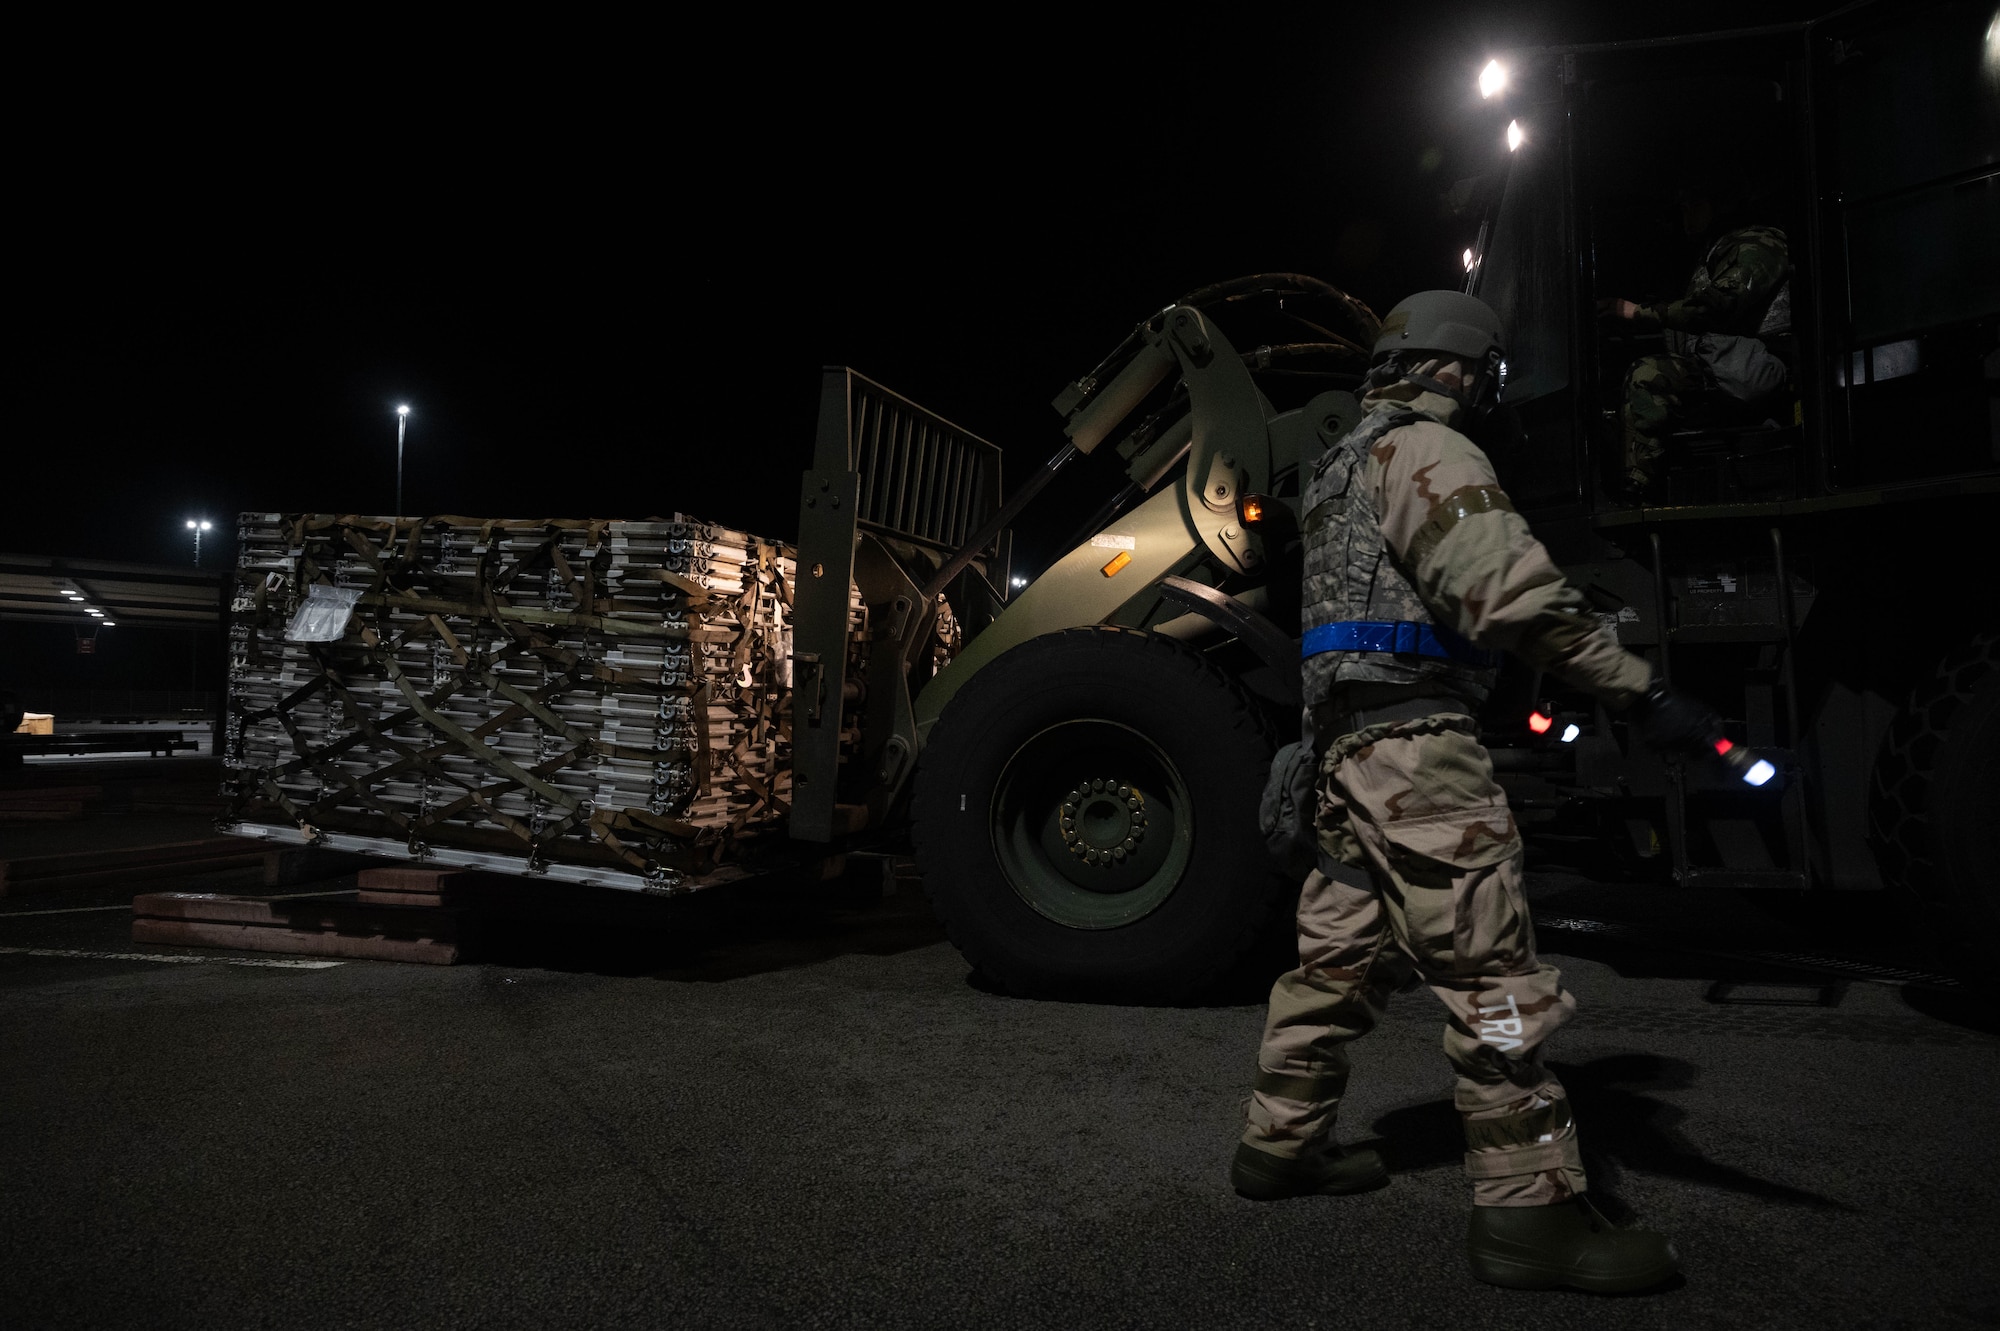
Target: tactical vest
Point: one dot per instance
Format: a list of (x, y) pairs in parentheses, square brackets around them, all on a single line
[(1354, 594)]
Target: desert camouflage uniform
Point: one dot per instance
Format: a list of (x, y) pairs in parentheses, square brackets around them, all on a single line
[(1420, 862), (1717, 342)]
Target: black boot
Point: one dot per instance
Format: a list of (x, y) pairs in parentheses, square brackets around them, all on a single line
[(1568, 1243), (1263, 1177)]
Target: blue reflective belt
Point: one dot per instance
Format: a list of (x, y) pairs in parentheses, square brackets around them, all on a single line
[(1398, 636)]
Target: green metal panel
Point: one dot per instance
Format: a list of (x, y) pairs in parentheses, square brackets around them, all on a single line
[(1158, 535), (1229, 456)]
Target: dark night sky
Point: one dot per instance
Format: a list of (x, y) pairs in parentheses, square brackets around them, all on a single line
[(604, 266)]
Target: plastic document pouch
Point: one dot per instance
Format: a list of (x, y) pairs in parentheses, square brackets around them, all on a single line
[(323, 615)]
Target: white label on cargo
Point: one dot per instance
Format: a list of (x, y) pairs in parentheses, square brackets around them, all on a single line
[(323, 615), (1110, 542)]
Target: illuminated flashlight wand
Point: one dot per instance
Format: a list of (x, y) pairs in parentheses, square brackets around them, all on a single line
[(1678, 725), (1742, 761)]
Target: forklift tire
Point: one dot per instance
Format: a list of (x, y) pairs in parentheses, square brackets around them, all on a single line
[(1936, 788), (1085, 818)]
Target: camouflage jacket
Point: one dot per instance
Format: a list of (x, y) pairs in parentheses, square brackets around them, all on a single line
[(1447, 549), (1742, 287)]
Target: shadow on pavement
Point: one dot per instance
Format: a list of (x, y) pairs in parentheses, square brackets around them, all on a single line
[(1621, 1128), (1959, 1009), (713, 936)]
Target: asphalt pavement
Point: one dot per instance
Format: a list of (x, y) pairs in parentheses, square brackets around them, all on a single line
[(768, 1110)]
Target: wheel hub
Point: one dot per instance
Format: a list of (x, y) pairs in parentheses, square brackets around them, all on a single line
[(1103, 820)]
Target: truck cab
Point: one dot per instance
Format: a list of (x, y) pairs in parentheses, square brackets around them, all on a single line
[(1814, 564)]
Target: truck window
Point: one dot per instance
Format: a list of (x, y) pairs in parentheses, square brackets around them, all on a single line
[(1524, 277), (1910, 211)]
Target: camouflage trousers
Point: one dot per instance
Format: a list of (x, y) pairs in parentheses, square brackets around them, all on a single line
[(1420, 874), (1659, 394)]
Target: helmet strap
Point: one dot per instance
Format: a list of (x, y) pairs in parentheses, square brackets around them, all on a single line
[(1474, 396), (1430, 385)]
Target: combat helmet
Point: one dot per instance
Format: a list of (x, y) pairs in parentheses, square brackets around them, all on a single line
[(1449, 323)]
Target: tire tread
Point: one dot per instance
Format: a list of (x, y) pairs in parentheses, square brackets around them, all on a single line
[(1900, 785), (1243, 717)]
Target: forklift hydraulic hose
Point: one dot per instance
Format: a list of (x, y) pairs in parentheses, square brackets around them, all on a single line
[(1271, 644), (1364, 319), (998, 523)]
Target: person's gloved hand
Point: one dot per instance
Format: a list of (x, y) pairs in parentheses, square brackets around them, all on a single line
[(1685, 727), (1675, 723)]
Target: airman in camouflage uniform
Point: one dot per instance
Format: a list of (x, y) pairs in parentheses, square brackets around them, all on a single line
[(1718, 339), (1415, 561)]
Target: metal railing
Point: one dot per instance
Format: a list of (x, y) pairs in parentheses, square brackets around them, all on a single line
[(923, 479)]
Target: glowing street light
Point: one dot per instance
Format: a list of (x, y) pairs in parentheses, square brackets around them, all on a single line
[(402, 421), (1514, 135), (1492, 79), (198, 526)]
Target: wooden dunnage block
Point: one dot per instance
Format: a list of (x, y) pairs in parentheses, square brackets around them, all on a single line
[(412, 886), (335, 925)]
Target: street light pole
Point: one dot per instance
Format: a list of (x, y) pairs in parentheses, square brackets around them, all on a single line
[(198, 527), (402, 420)]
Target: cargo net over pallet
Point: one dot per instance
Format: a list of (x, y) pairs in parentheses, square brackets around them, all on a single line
[(599, 702)]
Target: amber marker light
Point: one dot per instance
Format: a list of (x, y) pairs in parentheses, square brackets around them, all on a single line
[(1118, 561), (1250, 508)]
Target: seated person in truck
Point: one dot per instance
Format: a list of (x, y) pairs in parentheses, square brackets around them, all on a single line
[(1720, 359)]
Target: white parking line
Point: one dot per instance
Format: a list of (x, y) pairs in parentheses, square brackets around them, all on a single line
[(85, 910), (285, 963)]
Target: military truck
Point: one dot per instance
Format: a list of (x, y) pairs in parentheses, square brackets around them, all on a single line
[(1816, 570), (1079, 758)]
